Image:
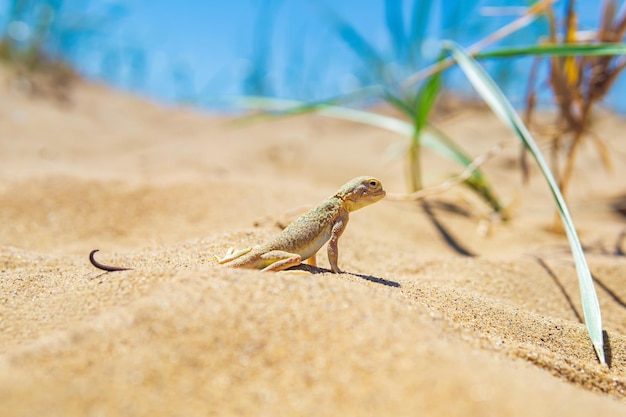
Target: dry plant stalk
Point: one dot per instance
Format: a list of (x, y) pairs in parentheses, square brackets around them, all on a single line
[(578, 84), (527, 18), (450, 182)]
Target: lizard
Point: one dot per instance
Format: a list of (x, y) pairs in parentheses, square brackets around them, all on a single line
[(306, 235)]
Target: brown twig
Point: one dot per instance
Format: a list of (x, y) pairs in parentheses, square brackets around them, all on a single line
[(506, 30), (450, 182)]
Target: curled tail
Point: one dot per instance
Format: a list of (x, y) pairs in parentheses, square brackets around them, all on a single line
[(104, 267)]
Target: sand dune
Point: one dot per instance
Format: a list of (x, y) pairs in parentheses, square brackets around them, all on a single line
[(415, 327)]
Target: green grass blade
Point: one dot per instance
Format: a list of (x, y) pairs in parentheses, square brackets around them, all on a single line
[(421, 16), (595, 49), (358, 43), (394, 21), (426, 100), (273, 107), (499, 104), (391, 124), (283, 107), (401, 104), (431, 138)]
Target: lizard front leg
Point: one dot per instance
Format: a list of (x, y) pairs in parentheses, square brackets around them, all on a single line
[(332, 249)]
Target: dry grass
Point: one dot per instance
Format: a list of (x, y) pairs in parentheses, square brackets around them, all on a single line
[(578, 85)]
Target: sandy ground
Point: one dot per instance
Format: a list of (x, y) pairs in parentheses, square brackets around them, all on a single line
[(414, 327)]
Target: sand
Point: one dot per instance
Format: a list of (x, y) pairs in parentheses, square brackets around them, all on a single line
[(491, 327)]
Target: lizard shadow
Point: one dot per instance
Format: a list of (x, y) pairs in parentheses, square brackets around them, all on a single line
[(377, 280), (371, 278)]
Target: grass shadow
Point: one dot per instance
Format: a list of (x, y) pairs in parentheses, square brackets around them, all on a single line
[(618, 244), (447, 236), (609, 291), (608, 353), (560, 286)]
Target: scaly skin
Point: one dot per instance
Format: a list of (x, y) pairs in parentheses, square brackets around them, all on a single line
[(304, 237)]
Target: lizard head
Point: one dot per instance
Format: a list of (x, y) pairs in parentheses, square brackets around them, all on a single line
[(361, 192)]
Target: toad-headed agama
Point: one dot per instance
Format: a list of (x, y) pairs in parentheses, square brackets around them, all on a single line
[(305, 236)]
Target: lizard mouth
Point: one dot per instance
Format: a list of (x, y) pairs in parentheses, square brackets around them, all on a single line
[(376, 195), (366, 198)]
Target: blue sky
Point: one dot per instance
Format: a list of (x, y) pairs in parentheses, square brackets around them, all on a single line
[(205, 46), (194, 50)]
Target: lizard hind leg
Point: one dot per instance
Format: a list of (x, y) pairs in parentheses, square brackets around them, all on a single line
[(312, 260), (280, 260), (232, 254)]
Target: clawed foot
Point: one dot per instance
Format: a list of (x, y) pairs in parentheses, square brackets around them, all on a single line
[(231, 254)]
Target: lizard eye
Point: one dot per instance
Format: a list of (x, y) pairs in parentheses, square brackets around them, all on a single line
[(374, 183)]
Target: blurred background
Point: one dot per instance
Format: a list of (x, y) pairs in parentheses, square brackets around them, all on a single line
[(195, 52)]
